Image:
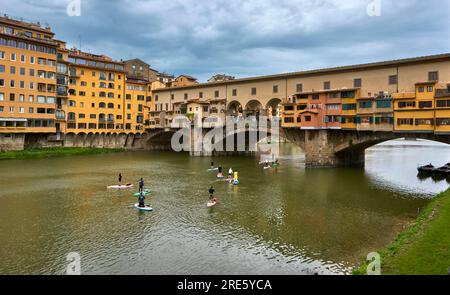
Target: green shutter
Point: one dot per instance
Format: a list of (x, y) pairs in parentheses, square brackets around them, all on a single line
[(371, 120), (377, 120)]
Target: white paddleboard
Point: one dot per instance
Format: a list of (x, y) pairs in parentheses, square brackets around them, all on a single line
[(146, 208), (120, 186), (210, 204)]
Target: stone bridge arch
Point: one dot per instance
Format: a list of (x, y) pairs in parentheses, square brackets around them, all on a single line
[(332, 148), (254, 108), (234, 108), (273, 107)]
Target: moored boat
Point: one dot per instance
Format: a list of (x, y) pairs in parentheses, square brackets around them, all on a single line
[(444, 170), (426, 169)]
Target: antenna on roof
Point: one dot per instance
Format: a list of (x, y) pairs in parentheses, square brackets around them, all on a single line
[(79, 39)]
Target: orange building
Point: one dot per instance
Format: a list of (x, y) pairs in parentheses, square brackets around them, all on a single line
[(27, 78)]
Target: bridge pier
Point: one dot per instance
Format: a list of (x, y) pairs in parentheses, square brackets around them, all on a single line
[(320, 147)]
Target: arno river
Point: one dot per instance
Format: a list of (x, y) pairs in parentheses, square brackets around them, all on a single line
[(280, 221)]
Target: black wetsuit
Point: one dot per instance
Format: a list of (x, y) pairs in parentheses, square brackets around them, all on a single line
[(211, 193), (141, 201), (120, 178), (141, 185)]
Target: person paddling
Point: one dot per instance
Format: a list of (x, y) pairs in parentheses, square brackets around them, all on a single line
[(120, 177), (141, 185), (141, 200), (211, 193), (220, 174), (212, 165)]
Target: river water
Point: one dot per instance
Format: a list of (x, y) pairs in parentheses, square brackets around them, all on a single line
[(280, 221)]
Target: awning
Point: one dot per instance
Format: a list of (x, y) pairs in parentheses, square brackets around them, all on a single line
[(13, 120)]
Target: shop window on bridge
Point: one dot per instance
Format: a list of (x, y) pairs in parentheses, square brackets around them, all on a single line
[(289, 108), (348, 94), (288, 120), (443, 121), (381, 104), (333, 95), (365, 120), (315, 96), (425, 104), (365, 104), (81, 125), (406, 104), (443, 103), (301, 107), (424, 122), (349, 107), (405, 121), (307, 118), (299, 119)]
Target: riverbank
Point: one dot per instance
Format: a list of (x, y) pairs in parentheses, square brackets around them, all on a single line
[(56, 152), (423, 248)]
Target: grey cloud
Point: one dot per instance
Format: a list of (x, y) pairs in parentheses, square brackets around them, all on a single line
[(250, 37)]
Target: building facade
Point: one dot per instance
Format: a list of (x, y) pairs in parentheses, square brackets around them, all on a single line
[(382, 96), (50, 90)]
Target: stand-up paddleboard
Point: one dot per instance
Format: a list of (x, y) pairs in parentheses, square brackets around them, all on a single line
[(213, 169), (120, 186), (211, 204), (145, 193), (266, 167), (146, 208)]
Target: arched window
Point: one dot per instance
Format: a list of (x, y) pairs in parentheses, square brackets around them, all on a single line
[(110, 105), (102, 105)]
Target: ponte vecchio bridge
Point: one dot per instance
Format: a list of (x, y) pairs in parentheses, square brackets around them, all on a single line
[(333, 114)]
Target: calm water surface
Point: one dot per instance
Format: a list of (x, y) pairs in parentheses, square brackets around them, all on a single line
[(281, 221)]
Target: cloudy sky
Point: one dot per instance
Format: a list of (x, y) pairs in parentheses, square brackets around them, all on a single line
[(248, 37)]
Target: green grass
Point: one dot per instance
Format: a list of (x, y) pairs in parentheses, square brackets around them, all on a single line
[(55, 152), (423, 248)]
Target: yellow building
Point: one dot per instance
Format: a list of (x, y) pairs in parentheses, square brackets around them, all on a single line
[(96, 94), (425, 110), (27, 78), (442, 105), (414, 111)]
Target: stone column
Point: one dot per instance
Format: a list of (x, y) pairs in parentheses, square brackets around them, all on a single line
[(319, 152)]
